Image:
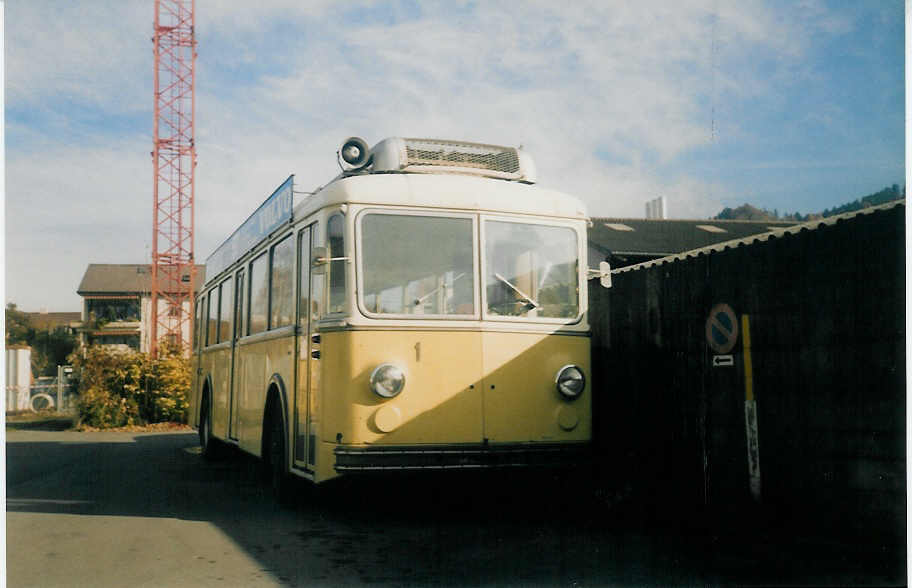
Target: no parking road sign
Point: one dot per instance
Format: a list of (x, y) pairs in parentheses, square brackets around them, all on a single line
[(721, 328)]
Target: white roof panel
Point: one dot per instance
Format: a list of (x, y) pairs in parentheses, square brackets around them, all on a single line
[(450, 191)]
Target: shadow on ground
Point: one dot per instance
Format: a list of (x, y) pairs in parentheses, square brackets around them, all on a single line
[(440, 530)]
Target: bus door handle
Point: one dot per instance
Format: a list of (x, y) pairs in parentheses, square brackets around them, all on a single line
[(315, 353)]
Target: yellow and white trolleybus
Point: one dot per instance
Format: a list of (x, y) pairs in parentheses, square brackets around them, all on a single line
[(425, 310)]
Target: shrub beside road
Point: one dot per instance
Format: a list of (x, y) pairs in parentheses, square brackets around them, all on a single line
[(128, 388), (49, 420)]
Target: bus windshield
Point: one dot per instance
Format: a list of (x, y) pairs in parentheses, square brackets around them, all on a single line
[(418, 265), (531, 270), (424, 265)]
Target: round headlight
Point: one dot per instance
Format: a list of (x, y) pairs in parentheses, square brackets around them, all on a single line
[(387, 380), (570, 382)]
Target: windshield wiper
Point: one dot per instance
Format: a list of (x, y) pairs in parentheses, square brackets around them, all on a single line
[(530, 303), (420, 300)]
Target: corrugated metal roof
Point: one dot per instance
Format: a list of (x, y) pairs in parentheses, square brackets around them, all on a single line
[(760, 238), (661, 237), (125, 278)]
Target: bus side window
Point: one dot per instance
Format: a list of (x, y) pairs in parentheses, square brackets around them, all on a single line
[(239, 309), (224, 328), (282, 283), (212, 318), (196, 323), (317, 281), (304, 303), (335, 235), (259, 294)]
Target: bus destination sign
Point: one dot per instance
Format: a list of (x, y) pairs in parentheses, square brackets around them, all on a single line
[(270, 215)]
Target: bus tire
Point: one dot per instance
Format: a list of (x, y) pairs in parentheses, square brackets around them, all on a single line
[(275, 454), (210, 446)]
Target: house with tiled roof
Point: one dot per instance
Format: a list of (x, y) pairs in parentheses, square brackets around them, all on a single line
[(54, 321), (117, 303)]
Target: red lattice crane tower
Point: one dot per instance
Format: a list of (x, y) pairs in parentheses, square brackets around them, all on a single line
[(174, 160)]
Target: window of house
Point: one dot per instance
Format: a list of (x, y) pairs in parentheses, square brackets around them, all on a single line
[(112, 310)]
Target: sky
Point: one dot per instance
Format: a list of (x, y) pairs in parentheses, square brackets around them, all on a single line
[(789, 105)]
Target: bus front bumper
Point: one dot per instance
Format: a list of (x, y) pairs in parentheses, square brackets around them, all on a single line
[(463, 457)]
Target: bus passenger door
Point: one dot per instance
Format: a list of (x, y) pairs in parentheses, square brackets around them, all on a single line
[(239, 326), (308, 344)]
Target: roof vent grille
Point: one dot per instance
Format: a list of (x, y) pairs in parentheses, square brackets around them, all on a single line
[(436, 156), (455, 154)]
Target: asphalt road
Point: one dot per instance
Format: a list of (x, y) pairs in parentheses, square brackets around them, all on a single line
[(126, 509)]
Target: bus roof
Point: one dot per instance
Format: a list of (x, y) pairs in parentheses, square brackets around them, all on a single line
[(441, 190)]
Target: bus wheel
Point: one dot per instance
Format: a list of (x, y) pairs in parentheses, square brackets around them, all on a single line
[(210, 446), (276, 457)]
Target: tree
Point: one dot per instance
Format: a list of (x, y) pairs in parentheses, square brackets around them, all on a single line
[(744, 212), (749, 212), (50, 347), (19, 329)]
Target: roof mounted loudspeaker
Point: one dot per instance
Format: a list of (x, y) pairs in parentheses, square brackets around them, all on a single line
[(354, 154)]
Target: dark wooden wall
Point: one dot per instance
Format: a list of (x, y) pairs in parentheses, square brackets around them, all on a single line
[(827, 320)]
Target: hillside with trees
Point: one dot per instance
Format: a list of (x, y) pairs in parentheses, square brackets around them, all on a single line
[(750, 212)]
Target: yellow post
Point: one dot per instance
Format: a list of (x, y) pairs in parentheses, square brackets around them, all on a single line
[(750, 412), (748, 363)]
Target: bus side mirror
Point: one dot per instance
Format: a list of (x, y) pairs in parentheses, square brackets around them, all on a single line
[(603, 273), (318, 260)]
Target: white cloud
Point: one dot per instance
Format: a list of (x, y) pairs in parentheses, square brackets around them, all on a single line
[(90, 52), (607, 97), (572, 85)]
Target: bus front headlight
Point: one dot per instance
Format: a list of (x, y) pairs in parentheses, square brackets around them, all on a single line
[(570, 382), (387, 380)]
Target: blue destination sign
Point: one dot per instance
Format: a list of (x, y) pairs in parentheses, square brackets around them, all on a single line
[(272, 214)]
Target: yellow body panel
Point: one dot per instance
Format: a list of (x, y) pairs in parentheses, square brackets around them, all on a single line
[(220, 379), (257, 364), (461, 387), (521, 400), (441, 401)]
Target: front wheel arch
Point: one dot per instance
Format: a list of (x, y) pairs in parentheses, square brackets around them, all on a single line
[(206, 441), (275, 393)]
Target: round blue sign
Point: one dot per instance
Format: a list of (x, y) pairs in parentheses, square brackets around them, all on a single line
[(722, 328)]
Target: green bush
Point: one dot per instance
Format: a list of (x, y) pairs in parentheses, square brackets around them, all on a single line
[(118, 388)]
